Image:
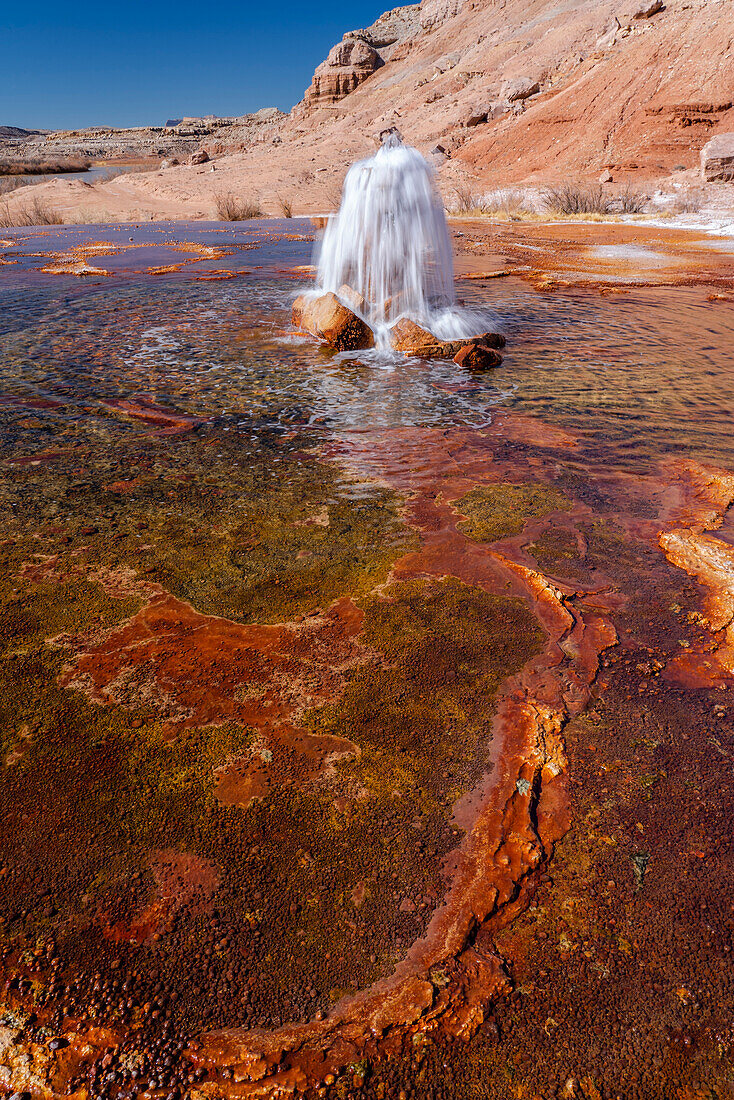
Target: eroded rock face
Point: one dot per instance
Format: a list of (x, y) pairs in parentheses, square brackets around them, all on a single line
[(435, 12), (348, 65), (717, 159), (392, 27), (330, 320)]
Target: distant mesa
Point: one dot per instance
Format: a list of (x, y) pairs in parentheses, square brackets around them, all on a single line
[(19, 132)]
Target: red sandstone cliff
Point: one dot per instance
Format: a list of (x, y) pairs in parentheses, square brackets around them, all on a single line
[(631, 84)]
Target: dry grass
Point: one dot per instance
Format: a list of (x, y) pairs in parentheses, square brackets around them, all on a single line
[(12, 183), (37, 166), (285, 206), (34, 213), (574, 200), (230, 208), (504, 204)]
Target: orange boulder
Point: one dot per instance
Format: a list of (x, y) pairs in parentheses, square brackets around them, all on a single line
[(330, 320)]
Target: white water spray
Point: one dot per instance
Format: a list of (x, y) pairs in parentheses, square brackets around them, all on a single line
[(390, 243)]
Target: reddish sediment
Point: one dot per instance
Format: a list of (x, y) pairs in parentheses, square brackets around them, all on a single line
[(196, 670), (512, 818), (704, 495)]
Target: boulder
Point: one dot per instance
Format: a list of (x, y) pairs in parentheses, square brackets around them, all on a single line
[(475, 115), (348, 65), (497, 109), (520, 88), (478, 356), (648, 10), (199, 157), (606, 177), (717, 159), (411, 339), (330, 320)]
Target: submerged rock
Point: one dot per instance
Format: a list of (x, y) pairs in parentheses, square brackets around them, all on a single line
[(478, 356), (332, 321)]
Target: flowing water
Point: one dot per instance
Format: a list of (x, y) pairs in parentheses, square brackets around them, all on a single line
[(188, 486), (390, 243)]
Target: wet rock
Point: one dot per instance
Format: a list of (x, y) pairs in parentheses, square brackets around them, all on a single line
[(478, 356), (352, 298), (411, 339), (387, 134), (717, 159), (200, 157), (330, 320)]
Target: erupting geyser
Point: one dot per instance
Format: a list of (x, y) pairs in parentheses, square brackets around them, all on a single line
[(390, 241), (386, 272)]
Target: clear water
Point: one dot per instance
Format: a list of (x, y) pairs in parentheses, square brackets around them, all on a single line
[(638, 375)]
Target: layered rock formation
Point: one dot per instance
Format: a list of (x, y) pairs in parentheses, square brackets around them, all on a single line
[(348, 65), (179, 138)]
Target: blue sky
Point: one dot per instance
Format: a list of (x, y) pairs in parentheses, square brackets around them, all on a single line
[(124, 64)]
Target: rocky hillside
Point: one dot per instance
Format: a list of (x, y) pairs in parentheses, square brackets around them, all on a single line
[(177, 138), (526, 89), (500, 91)]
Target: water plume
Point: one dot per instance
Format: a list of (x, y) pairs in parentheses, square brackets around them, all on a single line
[(390, 243)]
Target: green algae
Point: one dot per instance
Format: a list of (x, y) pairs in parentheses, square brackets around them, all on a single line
[(110, 787), (555, 545), (499, 510)]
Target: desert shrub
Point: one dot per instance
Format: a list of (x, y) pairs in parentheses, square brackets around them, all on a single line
[(230, 208), (35, 213), (572, 198), (286, 207), (507, 202), (36, 166), (465, 200), (629, 201), (687, 202)]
